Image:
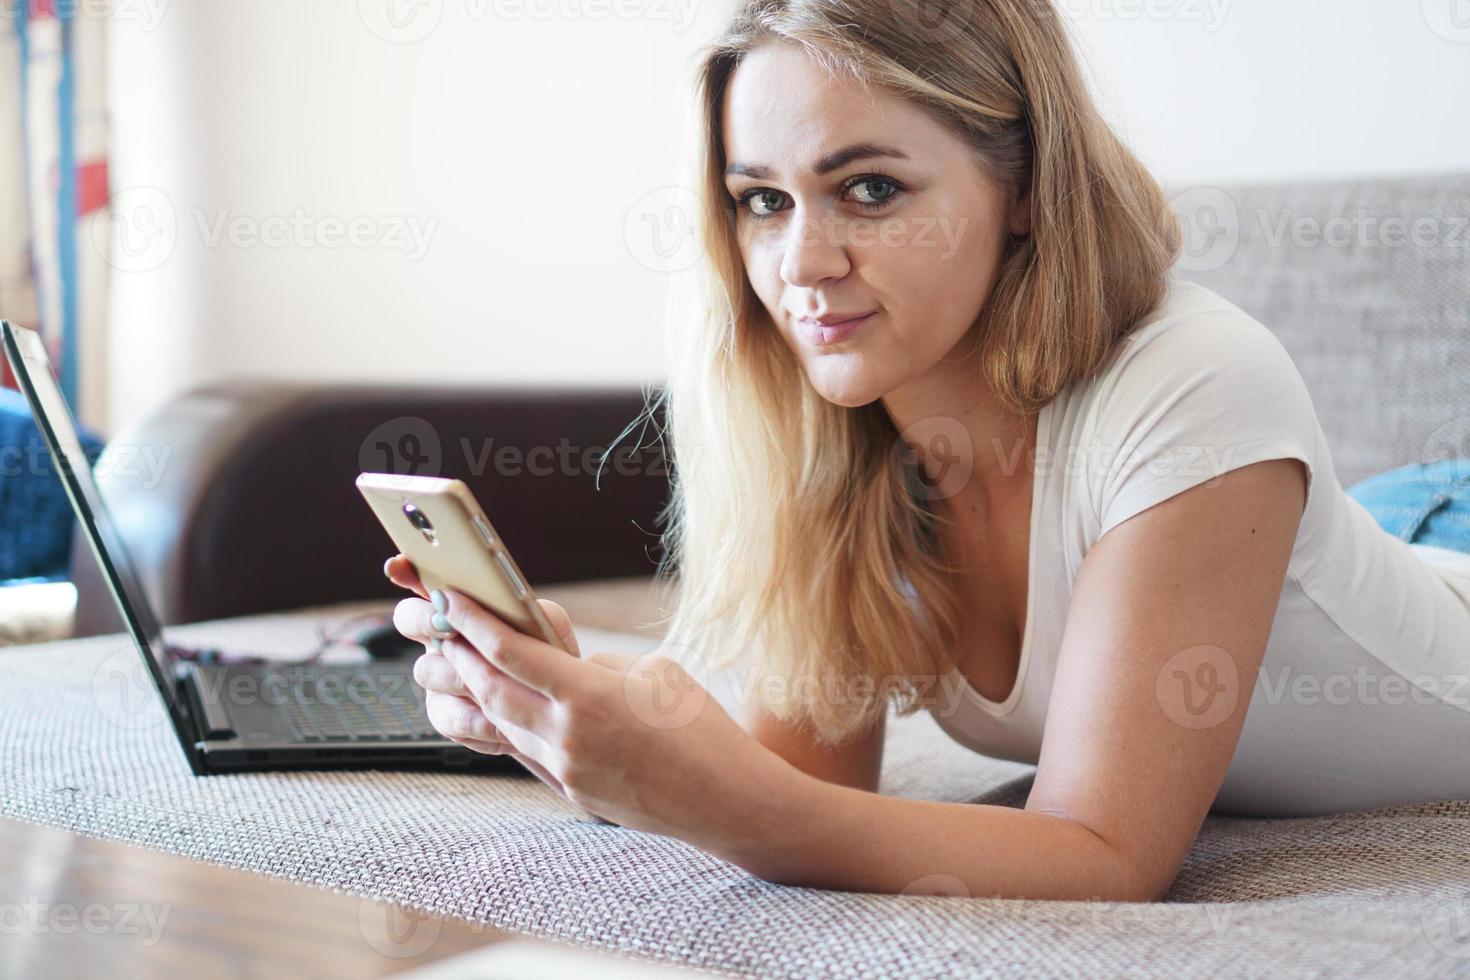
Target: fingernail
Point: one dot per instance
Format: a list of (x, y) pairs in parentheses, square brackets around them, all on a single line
[(385, 569), (440, 601), (441, 624), (437, 644)]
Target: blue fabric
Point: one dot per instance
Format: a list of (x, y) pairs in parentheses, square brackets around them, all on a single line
[(36, 522), (1422, 503)]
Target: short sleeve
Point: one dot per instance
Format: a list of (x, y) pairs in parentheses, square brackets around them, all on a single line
[(1190, 399)]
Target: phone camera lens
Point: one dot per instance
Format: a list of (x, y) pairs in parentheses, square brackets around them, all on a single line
[(421, 521)]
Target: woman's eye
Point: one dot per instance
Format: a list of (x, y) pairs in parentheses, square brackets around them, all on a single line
[(762, 203), (879, 190), (873, 192)]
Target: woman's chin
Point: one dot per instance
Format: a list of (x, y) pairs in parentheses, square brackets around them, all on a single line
[(845, 389)]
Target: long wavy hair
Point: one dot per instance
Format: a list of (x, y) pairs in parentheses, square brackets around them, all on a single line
[(795, 543)]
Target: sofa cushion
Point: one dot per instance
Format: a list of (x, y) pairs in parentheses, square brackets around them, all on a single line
[(1373, 893), (1367, 284)]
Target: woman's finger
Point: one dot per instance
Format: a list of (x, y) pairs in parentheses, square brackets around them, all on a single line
[(484, 748), (434, 672), (562, 624), (538, 665), (414, 618), (502, 697), (460, 718), (401, 572), (538, 770)]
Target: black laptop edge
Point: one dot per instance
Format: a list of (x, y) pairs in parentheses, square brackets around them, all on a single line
[(205, 757)]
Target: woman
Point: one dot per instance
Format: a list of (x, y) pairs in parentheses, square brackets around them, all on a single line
[(953, 438)]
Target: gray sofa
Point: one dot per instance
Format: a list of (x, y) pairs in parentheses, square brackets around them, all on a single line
[(1367, 284), (1382, 334)]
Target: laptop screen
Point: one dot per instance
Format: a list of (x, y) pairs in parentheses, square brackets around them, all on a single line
[(32, 367)]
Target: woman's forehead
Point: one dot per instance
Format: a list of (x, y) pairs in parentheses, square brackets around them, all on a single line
[(770, 124)]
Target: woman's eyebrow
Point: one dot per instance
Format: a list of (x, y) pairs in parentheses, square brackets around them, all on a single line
[(832, 161)]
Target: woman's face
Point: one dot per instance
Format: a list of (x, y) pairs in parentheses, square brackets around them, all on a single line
[(907, 228)]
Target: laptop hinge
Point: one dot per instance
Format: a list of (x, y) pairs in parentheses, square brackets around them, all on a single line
[(211, 719)]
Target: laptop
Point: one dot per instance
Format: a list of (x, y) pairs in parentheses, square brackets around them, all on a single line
[(235, 712)]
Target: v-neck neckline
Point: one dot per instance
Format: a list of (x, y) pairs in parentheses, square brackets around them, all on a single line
[(1043, 438)]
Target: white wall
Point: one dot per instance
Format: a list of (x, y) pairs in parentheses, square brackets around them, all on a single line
[(1221, 90), (514, 147), (518, 147)]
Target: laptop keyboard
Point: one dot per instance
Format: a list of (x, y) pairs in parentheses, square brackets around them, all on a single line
[(363, 702)]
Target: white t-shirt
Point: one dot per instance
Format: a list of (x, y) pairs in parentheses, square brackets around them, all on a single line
[(1363, 698)]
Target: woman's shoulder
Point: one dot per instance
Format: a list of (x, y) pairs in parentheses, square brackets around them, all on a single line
[(1193, 321), (1197, 346), (1197, 388)]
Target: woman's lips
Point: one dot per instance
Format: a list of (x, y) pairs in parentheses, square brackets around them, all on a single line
[(826, 334)]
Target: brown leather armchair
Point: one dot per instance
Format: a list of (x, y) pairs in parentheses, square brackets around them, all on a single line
[(238, 498)]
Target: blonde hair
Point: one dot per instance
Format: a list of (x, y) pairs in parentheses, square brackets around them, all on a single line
[(800, 547)]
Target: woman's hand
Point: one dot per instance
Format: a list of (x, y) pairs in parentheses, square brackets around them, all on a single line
[(632, 739), (451, 710)]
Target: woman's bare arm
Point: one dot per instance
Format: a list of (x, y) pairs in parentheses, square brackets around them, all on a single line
[(1181, 594), (854, 763)]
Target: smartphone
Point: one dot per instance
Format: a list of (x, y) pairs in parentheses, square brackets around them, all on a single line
[(439, 526)]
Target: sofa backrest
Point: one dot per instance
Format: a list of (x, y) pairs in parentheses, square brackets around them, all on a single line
[(251, 506), (1367, 284)]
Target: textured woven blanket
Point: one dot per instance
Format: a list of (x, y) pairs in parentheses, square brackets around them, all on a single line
[(1376, 893)]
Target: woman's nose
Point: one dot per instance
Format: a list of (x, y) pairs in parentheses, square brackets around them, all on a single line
[(814, 250)]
